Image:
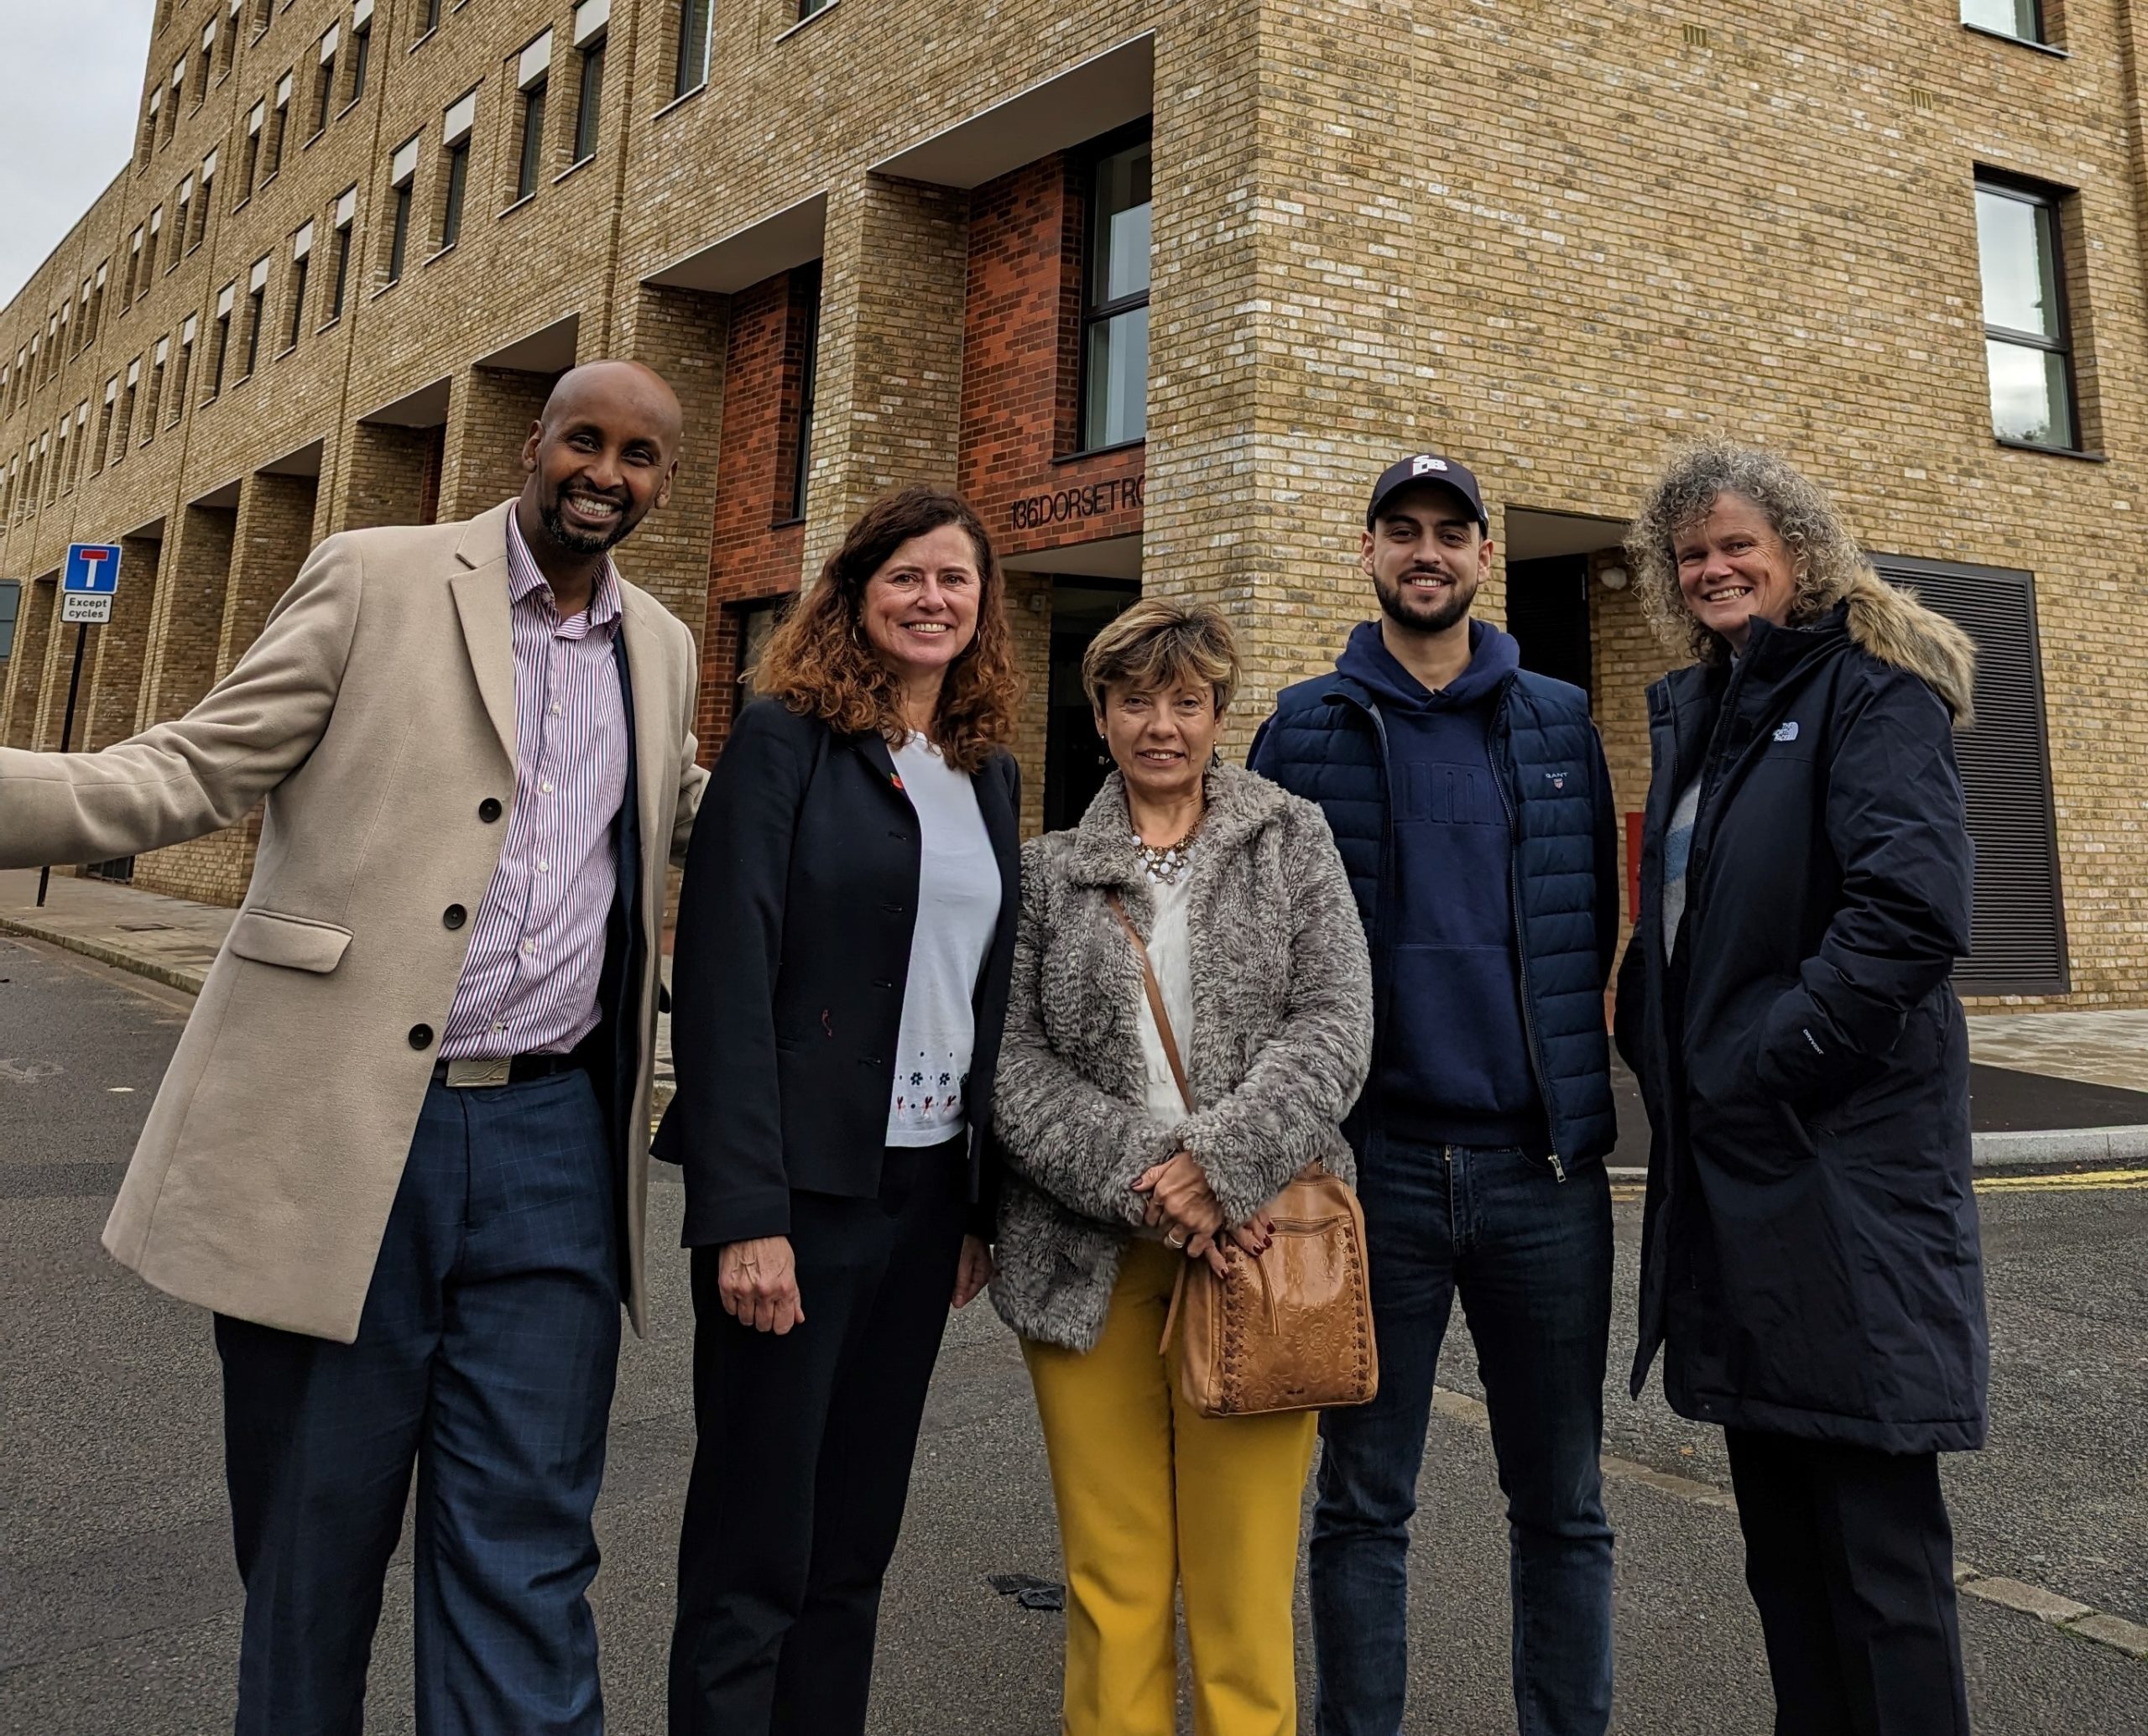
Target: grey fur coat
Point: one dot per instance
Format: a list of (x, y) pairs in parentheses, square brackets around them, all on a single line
[(1280, 1044)]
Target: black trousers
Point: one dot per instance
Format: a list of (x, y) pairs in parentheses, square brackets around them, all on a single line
[(803, 1462), (1850, 1560)]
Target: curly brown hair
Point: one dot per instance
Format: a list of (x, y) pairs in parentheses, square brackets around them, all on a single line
[(818, 663), (1824, 550)]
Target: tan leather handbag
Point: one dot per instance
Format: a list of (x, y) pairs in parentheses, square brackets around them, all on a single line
[(1290, 1330)]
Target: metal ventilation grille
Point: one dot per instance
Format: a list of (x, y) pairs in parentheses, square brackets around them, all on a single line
[(2018, 927)]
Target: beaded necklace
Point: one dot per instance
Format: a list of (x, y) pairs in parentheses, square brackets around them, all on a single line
[(1163, 864)]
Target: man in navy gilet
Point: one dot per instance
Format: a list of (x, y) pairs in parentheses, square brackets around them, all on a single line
[(1473, 810)]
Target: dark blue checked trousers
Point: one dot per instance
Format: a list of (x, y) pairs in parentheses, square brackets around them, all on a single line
[(484, 1359)]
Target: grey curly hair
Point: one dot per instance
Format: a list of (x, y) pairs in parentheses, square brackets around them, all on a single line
[(1825, 553)]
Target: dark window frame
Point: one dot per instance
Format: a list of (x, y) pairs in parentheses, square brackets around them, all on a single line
[(11, 608), (589, 95), (2043, 196), (400, 199), (530, 162), (1092, 313), (805, 306), (454, 190), (697, 24), (2042, 26)]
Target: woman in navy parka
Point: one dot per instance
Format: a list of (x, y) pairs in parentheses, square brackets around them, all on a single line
[(1810, 1263)]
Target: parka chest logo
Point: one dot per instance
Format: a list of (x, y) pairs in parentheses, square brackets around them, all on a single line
[(1557, 780), (1786, 732)]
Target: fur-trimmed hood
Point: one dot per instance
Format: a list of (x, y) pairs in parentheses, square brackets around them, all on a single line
[(1889, 623)]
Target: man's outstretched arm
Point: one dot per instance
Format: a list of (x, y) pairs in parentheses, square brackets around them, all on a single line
[(177, 781)]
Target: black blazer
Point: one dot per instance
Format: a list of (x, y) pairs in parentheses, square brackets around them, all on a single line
[(795, 927)]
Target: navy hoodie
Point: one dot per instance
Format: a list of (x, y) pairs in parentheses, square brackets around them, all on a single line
[(1453, 1059)]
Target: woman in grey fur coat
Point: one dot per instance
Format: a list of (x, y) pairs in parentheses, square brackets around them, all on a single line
[(1237, 888)]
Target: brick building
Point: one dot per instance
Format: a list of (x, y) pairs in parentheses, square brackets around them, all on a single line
[(1161, 286)]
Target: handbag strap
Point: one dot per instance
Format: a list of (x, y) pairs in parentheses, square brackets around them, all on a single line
[(1155, 993)]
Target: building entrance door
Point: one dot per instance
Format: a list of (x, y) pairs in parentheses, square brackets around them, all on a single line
[(1076, 763), (1548, 612)]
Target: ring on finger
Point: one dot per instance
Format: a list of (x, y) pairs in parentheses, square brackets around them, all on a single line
[(1173, 1239)]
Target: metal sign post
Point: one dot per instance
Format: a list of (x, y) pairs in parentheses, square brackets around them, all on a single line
[(86, 589)]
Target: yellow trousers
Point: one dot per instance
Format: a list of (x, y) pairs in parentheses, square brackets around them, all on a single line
[(1154, 1498)]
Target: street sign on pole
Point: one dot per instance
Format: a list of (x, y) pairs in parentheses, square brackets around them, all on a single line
[(90, 581), (86, 589)]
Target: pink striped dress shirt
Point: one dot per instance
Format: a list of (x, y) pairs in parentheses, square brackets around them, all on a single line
[(528, 982)]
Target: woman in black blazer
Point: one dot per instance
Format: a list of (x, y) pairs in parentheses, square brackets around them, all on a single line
[(846, 937)]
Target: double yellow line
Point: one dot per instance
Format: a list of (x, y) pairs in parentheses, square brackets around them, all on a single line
[(2044, 1181), (2062, 1181)]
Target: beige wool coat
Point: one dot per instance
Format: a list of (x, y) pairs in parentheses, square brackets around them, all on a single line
[(375, 715)]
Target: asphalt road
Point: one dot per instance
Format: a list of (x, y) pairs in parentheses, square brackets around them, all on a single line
[(119, 1607)]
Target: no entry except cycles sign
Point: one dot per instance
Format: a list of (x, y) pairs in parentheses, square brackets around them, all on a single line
[(90, 581)]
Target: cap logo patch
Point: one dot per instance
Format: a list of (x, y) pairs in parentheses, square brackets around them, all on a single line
[(1425, 461)]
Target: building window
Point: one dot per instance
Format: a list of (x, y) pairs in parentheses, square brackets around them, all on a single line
[(2026, 346), (2021, 20), (81, 441), (201, 207), (95, 317), (133, 267), (149, 126), (301, 268), (208, 59), (159, 359), (347, 215), (591, 20), (428, 18), (185, 380), (257, 303), (1115, 300), (181, 220), (230, 36), (104, 421), (149, 250), (11, 603), (61, 481), (691, 72), (250, 163), (402, 176), (361, 47), (126, 409), (462, 118), (805, 314), (279, 121), (324, 78), (807, 8), (263, 11), (178, 90), (219, 341), (534, 75)]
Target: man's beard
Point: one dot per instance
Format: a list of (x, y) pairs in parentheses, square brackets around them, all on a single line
[(1453, 608), (580, 542)]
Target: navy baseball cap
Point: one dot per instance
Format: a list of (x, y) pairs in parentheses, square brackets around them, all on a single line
[(1428, 467)]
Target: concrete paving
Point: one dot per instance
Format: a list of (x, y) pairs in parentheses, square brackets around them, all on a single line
[(121, 1605)]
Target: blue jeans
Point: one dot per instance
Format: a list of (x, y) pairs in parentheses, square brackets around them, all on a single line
[(484, 1361), (1531, 1257)]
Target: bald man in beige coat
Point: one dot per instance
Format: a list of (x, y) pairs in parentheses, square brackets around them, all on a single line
[(402, 1149)]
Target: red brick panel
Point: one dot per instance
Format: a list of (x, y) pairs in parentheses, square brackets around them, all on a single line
[(1021, 373), (756, 542)]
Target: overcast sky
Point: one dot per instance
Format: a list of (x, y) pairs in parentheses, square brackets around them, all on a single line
[(70, 84)]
